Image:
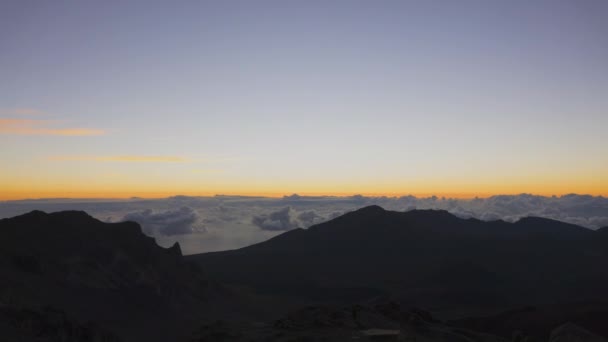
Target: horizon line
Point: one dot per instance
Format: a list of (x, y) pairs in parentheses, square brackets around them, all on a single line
[(161, 196)]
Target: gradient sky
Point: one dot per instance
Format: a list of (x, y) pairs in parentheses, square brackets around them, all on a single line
[(457, 98)]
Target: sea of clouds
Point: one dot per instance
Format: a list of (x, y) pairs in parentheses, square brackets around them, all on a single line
[(204, 224)]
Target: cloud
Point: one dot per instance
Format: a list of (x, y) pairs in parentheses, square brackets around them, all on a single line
[(204, 224), (287, 218), (309, 218), (584, 210), (21, 111), (122, 158), (282, 219), (41, 127), (335, 214), (184, 220)]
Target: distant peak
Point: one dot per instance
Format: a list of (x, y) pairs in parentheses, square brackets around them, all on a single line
[(32, 215), (430, 213), (371, 209), (57, 213), (369, 212), (35, 213), (72, 215), (79, 213)]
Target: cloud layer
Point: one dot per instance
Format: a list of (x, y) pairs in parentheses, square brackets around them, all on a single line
[(202, 224), (282, 219), (184, 220)]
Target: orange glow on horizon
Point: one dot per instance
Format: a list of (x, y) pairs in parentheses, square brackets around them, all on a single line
[(149, 182), (109, 194), (38, 127)]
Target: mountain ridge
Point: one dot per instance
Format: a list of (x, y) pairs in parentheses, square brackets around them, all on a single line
[(86, 268), (67, 271), (443, 260)]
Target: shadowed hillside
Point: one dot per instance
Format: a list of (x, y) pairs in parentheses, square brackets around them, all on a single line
[(68, 277), (109, 274), (424, 258)]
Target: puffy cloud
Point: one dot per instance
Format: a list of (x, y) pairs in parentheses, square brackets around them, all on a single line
[(335, 214), (170, 222), (282, 219), (584, 210), (228, 222), (490, 216), (461, 212), (288, 218), (310, 217)]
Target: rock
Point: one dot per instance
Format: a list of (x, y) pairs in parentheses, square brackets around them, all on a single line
[(571, 332)]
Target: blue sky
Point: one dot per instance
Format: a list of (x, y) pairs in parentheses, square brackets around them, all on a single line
[(454, 97)]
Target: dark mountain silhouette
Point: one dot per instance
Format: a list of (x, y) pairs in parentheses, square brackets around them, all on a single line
[(82, 270), (424, 258), (68, 277)]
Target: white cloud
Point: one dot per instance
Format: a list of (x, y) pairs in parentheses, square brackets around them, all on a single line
[(180, 221), (202, 224), (282, 219)]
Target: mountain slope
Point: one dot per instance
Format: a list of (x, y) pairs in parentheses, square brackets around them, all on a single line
[(538, 323), (109, 274), (425, 258)]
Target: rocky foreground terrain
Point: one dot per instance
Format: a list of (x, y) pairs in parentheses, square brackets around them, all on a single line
[(385, 322), (68, 273)]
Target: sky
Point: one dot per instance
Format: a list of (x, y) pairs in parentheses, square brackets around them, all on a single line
[(449, 98)]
